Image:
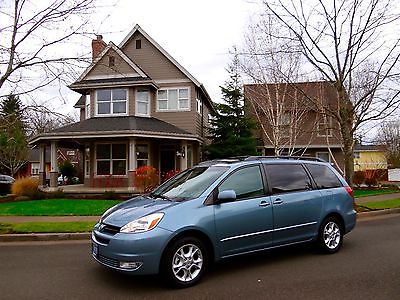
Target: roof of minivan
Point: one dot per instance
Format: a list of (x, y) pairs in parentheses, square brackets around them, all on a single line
[(249, 159)]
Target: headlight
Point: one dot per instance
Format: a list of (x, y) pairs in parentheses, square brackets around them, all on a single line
[(143, 224)]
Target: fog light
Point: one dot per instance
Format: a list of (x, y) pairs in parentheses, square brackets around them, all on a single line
[(132, 265)]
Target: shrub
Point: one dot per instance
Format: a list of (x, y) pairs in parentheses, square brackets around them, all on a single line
[(58, 194), (170, 174), (358, 178), (25, 186), (110, 195), (67, 169), (146, 178)]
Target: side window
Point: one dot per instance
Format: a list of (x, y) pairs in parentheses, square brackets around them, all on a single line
[(323, 176), (287, 178), (246, 182)]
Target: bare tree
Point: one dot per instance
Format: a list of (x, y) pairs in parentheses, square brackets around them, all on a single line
[(36, 38), (350, 44), (273, 65), (389, 136)]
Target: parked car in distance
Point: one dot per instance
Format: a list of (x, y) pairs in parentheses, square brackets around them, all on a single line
[(223, 208), (5, 184)]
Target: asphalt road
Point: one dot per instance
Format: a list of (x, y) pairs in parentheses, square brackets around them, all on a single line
[(367, 267)]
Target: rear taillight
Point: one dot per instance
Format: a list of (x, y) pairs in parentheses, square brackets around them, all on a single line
[(349, 190)]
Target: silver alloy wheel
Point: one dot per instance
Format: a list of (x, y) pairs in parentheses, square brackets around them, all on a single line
[(332, 235), (187, 262)]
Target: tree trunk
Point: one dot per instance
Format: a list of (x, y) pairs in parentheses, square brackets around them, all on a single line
[(346, 115)]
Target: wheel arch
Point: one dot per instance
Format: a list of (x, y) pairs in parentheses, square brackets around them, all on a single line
[(192, 233)]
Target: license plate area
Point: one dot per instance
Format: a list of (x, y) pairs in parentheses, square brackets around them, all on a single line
[(95, 249)]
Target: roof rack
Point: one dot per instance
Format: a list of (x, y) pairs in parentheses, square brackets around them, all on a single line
[(285, 157)]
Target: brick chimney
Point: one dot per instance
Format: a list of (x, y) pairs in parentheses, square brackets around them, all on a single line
[(98, 46)]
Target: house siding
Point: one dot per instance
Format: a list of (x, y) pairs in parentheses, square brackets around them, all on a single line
[(151, 60), (181, 119), (102, 68)]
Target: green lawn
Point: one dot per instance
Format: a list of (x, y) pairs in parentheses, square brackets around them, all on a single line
[(46, 227), (393, 203), (363, 193), (56, 207)]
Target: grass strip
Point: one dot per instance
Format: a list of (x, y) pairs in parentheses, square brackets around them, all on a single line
[(393, 203), (46, 227), (57, 207), (364, 193)]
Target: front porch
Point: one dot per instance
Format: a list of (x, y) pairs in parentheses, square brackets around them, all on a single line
[(111, 163)]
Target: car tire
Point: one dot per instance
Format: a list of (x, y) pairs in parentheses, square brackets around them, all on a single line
[(330, 237), (185, 262)]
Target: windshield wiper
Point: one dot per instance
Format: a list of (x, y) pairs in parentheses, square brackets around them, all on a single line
[(155, 196)]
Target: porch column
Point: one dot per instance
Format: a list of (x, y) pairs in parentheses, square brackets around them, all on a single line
[(131, 164), (183, 150), (53, 164), (42, 165)]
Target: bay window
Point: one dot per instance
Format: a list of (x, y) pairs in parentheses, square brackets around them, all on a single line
[(142, 102), (111, 159), (173, 99), (112, 101)]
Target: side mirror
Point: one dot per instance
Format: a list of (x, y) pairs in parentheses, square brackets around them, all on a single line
[(226, 196)]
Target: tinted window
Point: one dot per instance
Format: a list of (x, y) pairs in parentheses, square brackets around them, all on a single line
[(323, 176), (246, 182), (287, 178)]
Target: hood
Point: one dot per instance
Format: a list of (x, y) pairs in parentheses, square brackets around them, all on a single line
[(133, 209)]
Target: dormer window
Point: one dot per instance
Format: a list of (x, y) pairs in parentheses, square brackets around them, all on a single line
[(111, 102)]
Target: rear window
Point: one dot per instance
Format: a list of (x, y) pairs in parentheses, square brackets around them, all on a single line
[(287, 178), (323, 176)]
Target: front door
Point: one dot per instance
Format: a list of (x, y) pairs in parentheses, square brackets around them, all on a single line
[(245, 224), (167, 160)]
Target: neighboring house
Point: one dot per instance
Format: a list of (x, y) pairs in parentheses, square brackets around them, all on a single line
[(138, 107), (369, 157), (32, 167), (289, 122)]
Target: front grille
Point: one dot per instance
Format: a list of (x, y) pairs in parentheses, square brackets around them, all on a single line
[(101, 240), (109, 229), (108, 261)]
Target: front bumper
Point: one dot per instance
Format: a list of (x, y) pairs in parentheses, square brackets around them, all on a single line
[(143, 248)]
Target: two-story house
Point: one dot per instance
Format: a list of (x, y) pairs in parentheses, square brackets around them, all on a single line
[(290, 119), (138, 107)]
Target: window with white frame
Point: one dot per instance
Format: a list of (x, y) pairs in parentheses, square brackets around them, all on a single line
[(35, 168), (199, 105), (111, 159), (324, 126), (112, 101), (284, 124), (173, 99), (142, 102), (142, 155), (87, 106)]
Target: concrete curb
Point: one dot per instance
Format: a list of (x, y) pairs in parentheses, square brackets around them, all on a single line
[(370, 214), (31, 237), (44, 237)]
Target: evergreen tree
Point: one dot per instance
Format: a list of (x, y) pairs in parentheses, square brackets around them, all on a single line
[(231, 130), (13, 141)]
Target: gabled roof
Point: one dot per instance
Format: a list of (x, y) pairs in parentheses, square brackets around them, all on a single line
[(81, 102), (137, 28), (111, 45)]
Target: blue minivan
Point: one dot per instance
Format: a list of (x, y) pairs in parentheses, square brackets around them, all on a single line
[(225, 208)]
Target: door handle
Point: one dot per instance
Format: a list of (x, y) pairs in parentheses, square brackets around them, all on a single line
[(264, 203), (278, 201)]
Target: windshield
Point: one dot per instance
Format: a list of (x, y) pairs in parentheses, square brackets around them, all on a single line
[(190, 183)]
